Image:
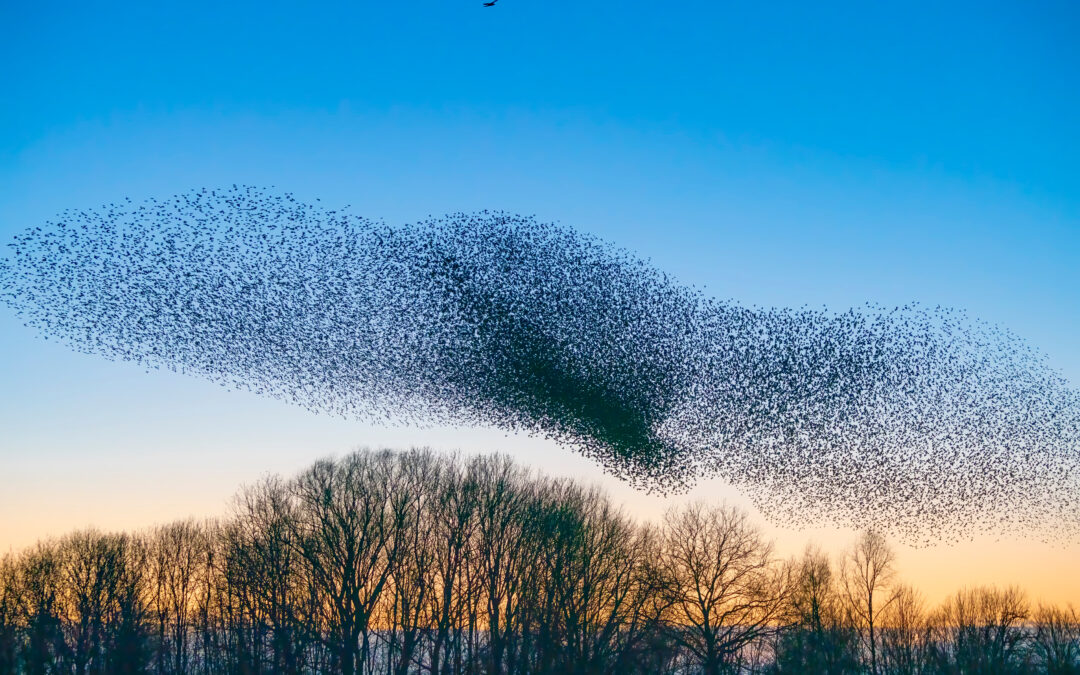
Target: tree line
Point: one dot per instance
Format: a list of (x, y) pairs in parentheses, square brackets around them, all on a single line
[(418, 562)]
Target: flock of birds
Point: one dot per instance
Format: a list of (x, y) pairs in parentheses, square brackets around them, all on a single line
[(922, 422)]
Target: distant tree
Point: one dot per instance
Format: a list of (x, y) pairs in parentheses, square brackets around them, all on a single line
[(726, 589), (40, 587), (261, 561), (9, 615), (176, 560), (452, 529), (416, 562), (1057, 639), (866, 570), (97, 581), (903, 633), (413, 577), (596, 582), (506, 549), (344, 532), (128, 648), (982, 630), (818, 637)]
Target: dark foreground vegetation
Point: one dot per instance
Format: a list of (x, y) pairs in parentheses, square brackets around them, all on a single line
[(413, 562)]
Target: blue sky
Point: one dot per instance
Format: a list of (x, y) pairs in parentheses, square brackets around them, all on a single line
[(776, 153)]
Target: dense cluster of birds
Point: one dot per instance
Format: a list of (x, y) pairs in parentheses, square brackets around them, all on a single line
[(920, 421)]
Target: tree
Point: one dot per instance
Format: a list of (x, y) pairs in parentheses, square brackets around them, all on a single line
[(595, 583), (9, 615), (506, 549), (408, 609), (1057, 639), (725, 587), (866, 571), (452, 527), (128, 650), (818, 638), (40, 587), (981, 630), (177, 558), (344, 535), (96, 587), (263, 569), (904, 632), (396, 563)]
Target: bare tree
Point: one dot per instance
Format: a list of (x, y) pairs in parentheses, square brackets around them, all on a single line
[(262, 563), (40, 589), (613, 579), (128, 650), (981, 630), (94, 576), (345, 537), (1057, 639), (727, 589), (504, 551), (9, 615), (592, 586), (409, 606), (452, 529), (818, 637), (903, 632), (178, 553), (396, 563), (866, 570)]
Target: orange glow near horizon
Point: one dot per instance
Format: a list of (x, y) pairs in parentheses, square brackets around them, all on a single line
[(122, 498)]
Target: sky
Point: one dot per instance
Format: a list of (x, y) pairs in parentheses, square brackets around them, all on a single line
[(778, 154)]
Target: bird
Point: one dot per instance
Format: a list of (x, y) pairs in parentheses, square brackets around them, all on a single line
[(915, 419)]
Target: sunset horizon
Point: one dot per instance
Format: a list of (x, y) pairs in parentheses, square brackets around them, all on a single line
[(818, 267)]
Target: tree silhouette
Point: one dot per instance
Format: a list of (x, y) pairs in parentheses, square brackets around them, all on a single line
[(416, 562), (866, 571)]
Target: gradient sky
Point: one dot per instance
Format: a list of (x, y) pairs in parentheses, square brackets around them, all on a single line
[(775, 153)]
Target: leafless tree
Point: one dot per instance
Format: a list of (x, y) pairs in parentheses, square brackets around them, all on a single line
[(40, 590), (412, 500), (452, 529), (727, 590), (96, 585), (982, 630), (178, 554), (505, 549), (417, 562), (9, 615), (818, 636), (595, 583), (1057, 639), (261, 560), (345, 537), (866, 570), (128, 651), (904, 632)]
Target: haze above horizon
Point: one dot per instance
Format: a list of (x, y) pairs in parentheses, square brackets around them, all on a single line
[(781, 155)]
